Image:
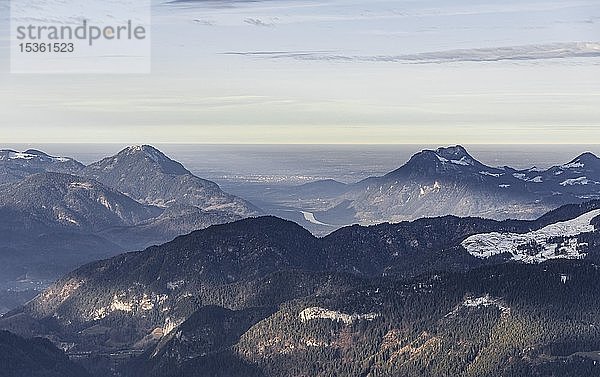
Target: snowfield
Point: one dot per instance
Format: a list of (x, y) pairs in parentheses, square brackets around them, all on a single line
[(535, 246)]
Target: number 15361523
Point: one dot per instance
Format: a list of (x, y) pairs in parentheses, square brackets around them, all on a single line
[(33, 47)]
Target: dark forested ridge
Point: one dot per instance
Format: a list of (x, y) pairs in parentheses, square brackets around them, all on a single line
[(34, 358), (504, 320), (264, 297)]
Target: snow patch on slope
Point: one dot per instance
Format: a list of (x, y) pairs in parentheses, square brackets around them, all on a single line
[(21, 156), (524, 177), (577, 181), (312, 313), (536, 246), (82, 185), (464, 161), (481, 302), (173, 285), (490, 174), (571, 165)]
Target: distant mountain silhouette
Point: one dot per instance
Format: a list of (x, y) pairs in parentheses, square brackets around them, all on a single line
[(449, 181)]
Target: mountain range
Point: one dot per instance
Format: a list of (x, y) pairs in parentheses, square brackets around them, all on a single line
[(57, 214), (243, 294), (449, 181), (263, 296)]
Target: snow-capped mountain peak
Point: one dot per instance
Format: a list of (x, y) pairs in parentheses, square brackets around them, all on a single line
[(150, 177), (45, 156), (15, 165), (585, 160), (31, 155), (442, 161), (456, 153), (141, 155), (147, 150), (143, 148)]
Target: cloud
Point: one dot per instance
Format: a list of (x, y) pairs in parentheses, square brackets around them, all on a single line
[(215, 3), (258, 22), (204, 22), (301, 55), (494, 54)]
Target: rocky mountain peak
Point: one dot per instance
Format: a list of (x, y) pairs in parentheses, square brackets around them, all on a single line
[(143, 148), (148, 156), (457, 152), (454, 155), (440, 161), (147, 175), (587, 158)]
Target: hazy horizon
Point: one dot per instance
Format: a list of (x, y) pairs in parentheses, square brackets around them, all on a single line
[(232, 165)]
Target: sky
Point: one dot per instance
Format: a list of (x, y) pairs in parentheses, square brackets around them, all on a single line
[(331, 72)]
